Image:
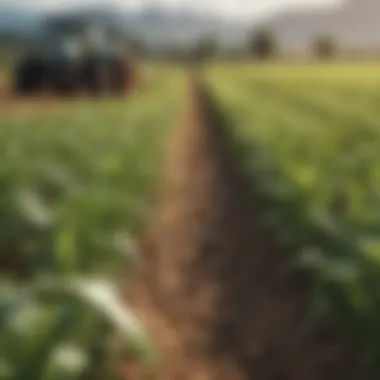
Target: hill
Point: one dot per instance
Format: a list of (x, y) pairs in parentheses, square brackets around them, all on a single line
[(355, 24)]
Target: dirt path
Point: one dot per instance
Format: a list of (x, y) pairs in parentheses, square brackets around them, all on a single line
[(211, 283)]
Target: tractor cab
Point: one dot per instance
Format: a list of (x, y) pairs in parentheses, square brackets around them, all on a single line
[(73, 38)]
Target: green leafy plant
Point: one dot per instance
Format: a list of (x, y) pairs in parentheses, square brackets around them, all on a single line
[(312, 153), (75, 188)]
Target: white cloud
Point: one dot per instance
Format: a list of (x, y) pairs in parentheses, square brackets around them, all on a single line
[(240, 8)]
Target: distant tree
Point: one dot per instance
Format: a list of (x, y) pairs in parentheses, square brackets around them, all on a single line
[(325, 47), (205, 48), (263, 43)]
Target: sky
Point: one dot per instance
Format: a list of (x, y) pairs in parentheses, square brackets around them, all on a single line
[(228, 8)]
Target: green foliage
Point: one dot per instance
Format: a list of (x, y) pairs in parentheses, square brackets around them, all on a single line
[(74, 189), (324, 47), (263, 44), (313, 152), (205, 48)]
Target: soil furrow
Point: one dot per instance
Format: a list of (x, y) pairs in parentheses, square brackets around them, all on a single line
[(211, 282)]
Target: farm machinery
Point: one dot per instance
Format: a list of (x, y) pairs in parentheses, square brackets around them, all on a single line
[(75, 56)]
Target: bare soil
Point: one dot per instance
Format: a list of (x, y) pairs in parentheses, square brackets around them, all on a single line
[(212, 284), (12, 105), (42, 104)]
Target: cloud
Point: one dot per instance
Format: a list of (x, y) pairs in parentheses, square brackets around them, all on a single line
[(239, 8)]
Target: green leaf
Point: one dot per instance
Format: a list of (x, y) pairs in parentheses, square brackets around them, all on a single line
[(66, 250), (34, 367)]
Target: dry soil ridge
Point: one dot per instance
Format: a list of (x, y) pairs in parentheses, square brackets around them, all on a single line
[(210, 283)]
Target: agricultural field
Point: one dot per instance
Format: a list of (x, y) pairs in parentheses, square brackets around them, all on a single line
[(76, 185), (309, 137)]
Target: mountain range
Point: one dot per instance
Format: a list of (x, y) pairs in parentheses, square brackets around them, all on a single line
[(354, 23), (156, 25)]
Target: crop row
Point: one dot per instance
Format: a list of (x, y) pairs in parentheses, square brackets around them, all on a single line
[(315, 161), (74, 189)]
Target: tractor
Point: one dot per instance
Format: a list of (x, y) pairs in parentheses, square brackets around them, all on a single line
[(75, 55)]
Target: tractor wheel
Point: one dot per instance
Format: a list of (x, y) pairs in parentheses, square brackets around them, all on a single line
[(118, 77), (64, 78), (130, 77), (30, 76), (95, 77)]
